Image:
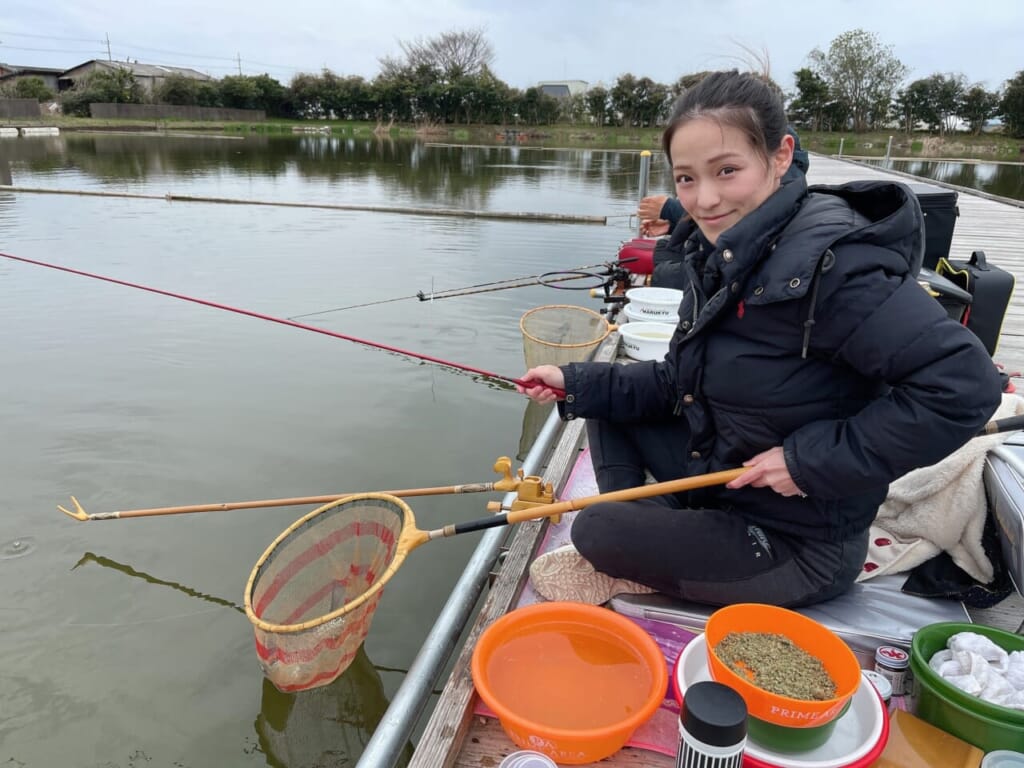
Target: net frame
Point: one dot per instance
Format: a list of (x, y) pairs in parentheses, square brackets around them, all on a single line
[(298, 653)]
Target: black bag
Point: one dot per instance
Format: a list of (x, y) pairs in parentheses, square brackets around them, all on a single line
[(991, 289), (938, 205)]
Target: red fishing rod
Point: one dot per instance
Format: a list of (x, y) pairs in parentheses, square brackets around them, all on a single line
[(281, 320)]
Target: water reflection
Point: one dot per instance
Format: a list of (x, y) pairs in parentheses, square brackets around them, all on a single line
[(534, 417), (326, 727), (393, 171), (5, 170), (1003, 179), (127, 570)]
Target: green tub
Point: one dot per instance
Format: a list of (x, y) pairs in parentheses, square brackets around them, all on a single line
[(986, 726)]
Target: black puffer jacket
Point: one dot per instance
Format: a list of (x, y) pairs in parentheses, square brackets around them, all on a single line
[(806, 328)]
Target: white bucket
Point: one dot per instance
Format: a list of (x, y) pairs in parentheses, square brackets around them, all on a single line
[(655, 303), (632, 316), (646, 340)]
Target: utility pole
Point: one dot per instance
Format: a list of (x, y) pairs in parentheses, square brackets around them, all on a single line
[(108, 47), (239, 55)]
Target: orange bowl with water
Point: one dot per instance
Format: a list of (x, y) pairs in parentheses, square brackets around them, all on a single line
[(569, 680), (814, 638)]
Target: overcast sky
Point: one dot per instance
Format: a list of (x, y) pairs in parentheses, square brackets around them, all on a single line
[(533, 40)]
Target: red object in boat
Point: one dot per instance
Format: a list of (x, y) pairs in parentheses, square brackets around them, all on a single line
[(638, 255)]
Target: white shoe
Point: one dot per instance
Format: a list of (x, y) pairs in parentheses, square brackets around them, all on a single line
[(564, 574)]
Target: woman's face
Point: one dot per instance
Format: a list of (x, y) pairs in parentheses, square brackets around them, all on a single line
[(719, 177)]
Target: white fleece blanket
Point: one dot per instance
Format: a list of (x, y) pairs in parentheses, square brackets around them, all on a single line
[(938, 508)]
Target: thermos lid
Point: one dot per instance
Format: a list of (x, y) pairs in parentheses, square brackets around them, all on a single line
[(714, 714), (881, 683), (527, 759)]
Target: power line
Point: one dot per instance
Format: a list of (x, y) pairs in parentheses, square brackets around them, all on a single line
[(48, 37), (47, 50)]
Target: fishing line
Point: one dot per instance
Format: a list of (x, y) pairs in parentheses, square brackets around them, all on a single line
[(279, 320)]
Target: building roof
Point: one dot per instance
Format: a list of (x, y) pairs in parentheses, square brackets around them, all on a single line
[(8, 71), (141, 70), (16, 68), (562, 88)]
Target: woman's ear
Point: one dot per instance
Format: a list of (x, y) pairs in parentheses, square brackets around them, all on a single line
[(782, 158)]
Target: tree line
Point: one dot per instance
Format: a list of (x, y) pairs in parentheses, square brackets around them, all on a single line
[(856, 84)]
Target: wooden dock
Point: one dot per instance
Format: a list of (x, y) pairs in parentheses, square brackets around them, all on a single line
[(455, 736)]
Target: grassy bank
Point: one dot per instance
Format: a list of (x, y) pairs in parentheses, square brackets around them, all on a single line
[(923, 145)]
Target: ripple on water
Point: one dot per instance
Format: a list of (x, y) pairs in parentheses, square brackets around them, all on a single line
[(17, 548)]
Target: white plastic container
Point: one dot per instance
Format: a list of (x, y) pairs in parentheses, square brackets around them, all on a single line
[(632, 316), (655, 303), (646, 340)]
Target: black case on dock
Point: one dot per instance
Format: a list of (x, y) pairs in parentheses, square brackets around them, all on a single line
[(991, 289), (938, 205)]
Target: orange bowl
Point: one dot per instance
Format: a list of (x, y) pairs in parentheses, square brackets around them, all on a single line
[(569, 680), (807, 634)]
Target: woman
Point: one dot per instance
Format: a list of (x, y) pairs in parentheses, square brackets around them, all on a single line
[(806, 351)]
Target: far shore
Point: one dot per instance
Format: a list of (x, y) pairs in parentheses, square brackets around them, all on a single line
[(988, 147)]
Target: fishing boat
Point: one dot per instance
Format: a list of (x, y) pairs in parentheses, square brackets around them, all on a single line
[(460, 731)]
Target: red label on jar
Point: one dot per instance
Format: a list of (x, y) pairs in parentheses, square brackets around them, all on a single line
[(890, 653)]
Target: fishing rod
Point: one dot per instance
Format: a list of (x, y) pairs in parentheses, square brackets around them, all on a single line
[(280, 320), (495, 285)]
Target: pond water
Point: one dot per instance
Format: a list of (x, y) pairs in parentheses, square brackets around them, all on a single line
[(123, 641), (1003, 179)]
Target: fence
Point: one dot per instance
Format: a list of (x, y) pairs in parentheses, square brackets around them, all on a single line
[(18, 108), (171, 112)]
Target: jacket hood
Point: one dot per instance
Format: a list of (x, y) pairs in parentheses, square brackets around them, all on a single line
[(891, 217)]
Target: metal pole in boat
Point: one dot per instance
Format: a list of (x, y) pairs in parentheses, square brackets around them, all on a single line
[(396, 727), (841, 140), (888, 151), (645, 179)]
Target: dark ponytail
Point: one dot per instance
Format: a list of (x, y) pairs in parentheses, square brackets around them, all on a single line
[(742, 100)]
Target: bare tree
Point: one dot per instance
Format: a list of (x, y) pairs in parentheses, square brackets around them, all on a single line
[(452, 54)]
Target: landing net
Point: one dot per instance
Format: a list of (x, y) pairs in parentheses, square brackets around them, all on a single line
[(312, 595), (560, 333)]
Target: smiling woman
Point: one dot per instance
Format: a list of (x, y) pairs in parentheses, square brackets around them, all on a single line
[(776, 365)]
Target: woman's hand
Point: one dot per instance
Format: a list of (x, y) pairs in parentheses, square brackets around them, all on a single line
[(654, 227), (768, 469), (650, 207), (540, 381)]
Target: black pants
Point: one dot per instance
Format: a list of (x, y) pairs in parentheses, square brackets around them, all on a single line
[(708, 556)]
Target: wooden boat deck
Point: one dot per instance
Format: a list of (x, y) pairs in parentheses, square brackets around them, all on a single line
[(455, 736)]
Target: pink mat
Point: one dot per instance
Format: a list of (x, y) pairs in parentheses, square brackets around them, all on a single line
[(661, 732)]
